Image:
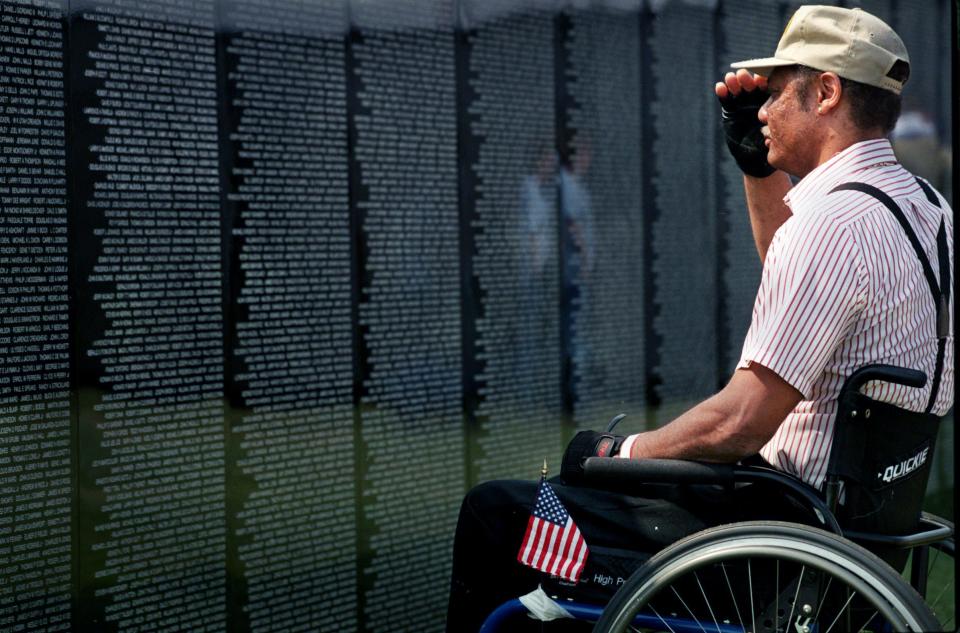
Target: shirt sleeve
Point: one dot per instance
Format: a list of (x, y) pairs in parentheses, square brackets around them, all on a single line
[(814, 285)]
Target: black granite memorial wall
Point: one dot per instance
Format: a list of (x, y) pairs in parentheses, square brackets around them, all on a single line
[(404, 166), (151, 452), (603, 208), (36, 468), (290, 330), (281, 280)]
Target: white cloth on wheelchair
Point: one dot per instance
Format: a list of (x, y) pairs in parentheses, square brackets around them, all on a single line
[(542, 607)]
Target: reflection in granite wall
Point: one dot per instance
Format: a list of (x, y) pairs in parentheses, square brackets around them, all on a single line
[(515, 259), (683, 272), (602, 206), (404, 159)]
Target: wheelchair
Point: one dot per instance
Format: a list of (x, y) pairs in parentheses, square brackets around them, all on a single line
[(869, 560)]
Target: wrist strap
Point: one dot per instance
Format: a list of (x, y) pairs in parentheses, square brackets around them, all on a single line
[(627, 445)]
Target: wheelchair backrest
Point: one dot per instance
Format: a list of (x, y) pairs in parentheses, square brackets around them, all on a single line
[(882, 454)]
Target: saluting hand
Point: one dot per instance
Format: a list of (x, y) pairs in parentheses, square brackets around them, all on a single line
[(741, 96)]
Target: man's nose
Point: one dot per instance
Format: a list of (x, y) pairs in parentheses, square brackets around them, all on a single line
[(762, 112)]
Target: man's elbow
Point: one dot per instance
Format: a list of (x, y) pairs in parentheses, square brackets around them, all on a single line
[(753, 405), (743, 437)]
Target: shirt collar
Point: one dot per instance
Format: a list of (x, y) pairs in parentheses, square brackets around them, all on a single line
[(839, 168)]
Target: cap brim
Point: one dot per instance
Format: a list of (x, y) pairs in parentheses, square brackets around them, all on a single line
[(763, 66)]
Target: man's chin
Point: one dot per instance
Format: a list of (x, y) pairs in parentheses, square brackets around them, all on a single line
[(777, 163), (775, 160)]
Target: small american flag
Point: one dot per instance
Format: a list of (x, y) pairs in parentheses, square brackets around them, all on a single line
[(553, 543)]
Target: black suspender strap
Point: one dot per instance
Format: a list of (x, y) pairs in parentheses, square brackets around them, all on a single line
[(870, 190), (943, 255), (928, 192), (943, 311), (943, 320), (940, 292), (935, 388)]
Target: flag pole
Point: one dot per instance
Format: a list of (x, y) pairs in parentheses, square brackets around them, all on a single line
[(543, 471)]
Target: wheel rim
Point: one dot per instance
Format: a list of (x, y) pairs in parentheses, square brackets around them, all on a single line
[(882, 597)]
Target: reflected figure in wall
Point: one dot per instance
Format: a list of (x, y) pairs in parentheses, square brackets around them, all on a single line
[(578, 245), (917, 147), (536, 263), (537, 206)]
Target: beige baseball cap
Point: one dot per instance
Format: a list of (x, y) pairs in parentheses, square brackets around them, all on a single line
[(850, 42)]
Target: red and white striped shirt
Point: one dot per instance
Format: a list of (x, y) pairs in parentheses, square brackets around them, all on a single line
[(843, 288)]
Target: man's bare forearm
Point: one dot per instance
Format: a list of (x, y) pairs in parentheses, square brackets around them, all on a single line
[(766, 207), (705, 433), (732, 424)]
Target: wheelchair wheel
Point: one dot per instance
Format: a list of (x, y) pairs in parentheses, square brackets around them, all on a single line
[(766, 576)]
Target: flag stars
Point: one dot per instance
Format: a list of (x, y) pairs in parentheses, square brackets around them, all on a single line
[(553, 543), (549, 507)]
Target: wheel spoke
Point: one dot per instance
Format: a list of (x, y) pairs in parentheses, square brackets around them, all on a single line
[(842, 609), (941, 594), (776, 597), (661, 618), (795, 596), (753, 616), (707, 600), (869, 620), (947, 586), (695, 619), (933, 561), (732, 597), (823, 597)]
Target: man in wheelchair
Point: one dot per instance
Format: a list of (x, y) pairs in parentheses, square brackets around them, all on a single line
[(856, 273)]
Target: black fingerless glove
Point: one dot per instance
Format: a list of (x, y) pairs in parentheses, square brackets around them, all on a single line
[(587, 444), (741, 128)]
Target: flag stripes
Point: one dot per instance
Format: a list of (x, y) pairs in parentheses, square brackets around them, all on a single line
[(553, 543)]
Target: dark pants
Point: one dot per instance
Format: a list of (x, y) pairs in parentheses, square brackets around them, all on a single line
[(621, 530)]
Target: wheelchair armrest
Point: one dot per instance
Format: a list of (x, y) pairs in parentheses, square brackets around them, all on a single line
[(625, 474), (885, 373), (613, 471)]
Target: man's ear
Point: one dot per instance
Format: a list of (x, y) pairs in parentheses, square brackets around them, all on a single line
[(829, 90)]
